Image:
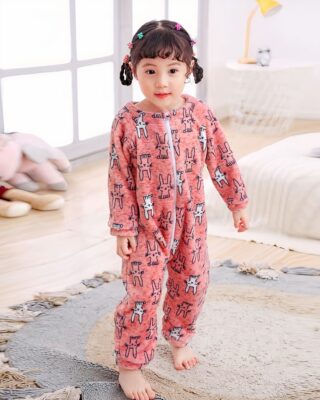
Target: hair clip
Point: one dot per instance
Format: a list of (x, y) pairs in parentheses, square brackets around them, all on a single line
[(193, 42), (126, 59), (130, 45), (178, 27), (140, 35)]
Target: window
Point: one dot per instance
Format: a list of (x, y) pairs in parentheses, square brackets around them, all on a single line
[(60, 63)]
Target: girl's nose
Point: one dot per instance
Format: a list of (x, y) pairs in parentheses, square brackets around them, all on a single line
[(162, 81)]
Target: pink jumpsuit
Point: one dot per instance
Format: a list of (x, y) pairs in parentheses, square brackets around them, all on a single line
[(156, 194)]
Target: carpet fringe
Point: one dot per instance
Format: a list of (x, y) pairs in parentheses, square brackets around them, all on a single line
[(10, 378), (11, 322), (69, 393)]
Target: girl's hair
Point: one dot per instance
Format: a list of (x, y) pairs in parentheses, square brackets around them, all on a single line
[(160, 39)]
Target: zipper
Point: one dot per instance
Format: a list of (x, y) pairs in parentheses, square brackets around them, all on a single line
[(169, 132)]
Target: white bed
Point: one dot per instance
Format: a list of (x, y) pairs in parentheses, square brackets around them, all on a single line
[(283, 184)]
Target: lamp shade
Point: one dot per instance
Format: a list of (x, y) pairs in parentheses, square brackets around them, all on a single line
[(269, 7)]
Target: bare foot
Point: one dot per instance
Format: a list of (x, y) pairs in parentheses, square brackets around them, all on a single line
[(134, 385), (183, 357)]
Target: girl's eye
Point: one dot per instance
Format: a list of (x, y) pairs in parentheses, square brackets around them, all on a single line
[(150, 71), (173, 70)]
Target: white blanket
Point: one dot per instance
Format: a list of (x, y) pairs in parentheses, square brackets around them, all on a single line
[(283, 185)]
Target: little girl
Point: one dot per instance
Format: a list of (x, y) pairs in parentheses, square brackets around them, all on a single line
[(158, 149)]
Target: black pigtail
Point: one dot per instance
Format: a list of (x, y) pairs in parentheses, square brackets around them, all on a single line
[(126, 74), (197, 71)]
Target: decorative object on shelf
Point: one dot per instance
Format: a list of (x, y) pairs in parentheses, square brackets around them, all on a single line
[(267, 8), (264, 57)]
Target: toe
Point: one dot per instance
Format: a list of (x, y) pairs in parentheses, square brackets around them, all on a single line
[(178, 366), (144, 396), (185, 364), (130, 395), (150, 392)]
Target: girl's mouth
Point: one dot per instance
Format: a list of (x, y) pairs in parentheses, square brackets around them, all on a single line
[(162, 95)]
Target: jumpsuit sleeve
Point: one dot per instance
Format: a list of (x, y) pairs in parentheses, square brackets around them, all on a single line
[(121, 186), (222, 166)]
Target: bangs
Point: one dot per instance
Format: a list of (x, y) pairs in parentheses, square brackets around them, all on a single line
[(161, 43)]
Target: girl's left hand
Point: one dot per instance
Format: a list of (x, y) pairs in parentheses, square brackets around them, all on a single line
[(240, 220)]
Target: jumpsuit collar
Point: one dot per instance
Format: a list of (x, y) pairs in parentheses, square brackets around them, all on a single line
[(168, 114)]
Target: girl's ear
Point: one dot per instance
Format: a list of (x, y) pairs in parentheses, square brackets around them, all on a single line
[(133, 70), (190, 69)]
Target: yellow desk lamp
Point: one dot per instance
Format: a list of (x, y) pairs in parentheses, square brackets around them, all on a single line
[(267, 8)]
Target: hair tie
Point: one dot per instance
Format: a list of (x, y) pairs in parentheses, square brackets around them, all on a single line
[(140, 35), (193, 42), (126, 59), (130, 45), (178, 27)]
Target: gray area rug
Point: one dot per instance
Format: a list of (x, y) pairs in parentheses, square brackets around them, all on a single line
[(52, 348)]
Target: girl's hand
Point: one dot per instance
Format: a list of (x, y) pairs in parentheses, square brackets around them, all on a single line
[(125, 246), (240, 220)]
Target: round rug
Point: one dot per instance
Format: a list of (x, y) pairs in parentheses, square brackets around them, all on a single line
[(257, 340)]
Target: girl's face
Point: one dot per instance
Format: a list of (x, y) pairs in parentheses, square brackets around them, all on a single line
[(161, 81)]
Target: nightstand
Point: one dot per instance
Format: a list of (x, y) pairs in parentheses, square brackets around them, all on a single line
[(264, 99)]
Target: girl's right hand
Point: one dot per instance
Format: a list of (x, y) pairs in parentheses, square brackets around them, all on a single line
[(126, 245)]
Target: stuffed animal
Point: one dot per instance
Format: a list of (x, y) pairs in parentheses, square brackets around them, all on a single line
[(16, 202), (26, 161)]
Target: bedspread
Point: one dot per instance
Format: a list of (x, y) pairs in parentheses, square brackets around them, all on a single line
[(283, 185)]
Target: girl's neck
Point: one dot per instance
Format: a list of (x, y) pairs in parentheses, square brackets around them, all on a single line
[(147, 106)]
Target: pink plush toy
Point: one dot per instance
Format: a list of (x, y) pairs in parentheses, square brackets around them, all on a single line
[(26, 160)]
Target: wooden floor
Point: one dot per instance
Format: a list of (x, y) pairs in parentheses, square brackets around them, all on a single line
[(48, 251)]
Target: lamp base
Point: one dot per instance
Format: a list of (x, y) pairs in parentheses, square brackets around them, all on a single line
[(247, 60)]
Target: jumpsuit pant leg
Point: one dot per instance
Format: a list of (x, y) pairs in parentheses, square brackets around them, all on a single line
[(188, 279), (136, 315)]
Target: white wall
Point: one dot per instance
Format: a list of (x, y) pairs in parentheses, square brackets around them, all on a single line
[(292, 34)]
